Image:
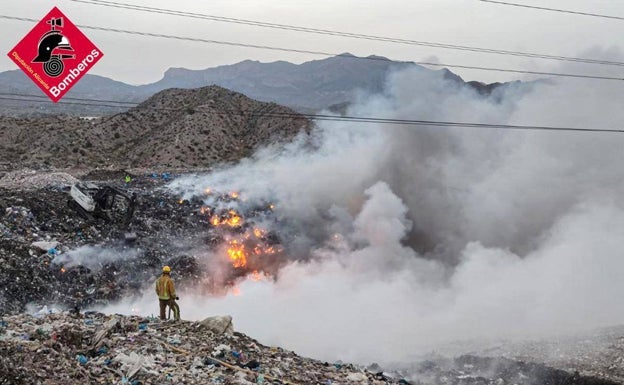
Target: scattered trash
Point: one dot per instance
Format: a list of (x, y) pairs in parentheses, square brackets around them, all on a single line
[(82, 359), (45, 245), (100, 350)]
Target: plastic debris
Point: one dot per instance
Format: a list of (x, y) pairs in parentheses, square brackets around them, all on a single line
[(82, 359), (45, 245)]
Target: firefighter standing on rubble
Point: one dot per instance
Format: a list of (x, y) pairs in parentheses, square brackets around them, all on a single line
[(166, 294)]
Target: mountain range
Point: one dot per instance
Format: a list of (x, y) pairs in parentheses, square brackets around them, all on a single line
[(307, 87)]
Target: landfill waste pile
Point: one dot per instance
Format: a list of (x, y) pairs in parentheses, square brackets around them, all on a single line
[(60, 263), (76, 348), (51, 254)]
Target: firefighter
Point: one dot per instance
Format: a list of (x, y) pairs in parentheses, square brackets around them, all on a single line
[(166, 294)]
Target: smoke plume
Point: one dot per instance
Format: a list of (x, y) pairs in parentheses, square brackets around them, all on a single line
[(401, 238)]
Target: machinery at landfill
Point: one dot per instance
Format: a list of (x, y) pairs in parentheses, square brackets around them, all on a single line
[(105, 202)]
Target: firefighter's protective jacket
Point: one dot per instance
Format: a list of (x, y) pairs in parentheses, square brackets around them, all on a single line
[(165, 288)]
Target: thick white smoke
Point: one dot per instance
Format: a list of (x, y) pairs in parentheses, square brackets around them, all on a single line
[(417, 236)]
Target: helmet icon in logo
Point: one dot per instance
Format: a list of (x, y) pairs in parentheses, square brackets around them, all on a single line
[(51, 47)]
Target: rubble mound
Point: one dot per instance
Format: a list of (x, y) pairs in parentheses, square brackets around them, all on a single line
[(72, 348), (64, 348)]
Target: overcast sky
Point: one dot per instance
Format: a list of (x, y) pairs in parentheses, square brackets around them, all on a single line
[(138, 59)]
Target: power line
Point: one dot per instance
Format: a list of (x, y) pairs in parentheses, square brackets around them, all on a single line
[(70, 103), (130, 104), (322, 53), (343, 34), (347, 118), (554, 9)]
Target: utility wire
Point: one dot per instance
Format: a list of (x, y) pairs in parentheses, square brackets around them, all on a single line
[(554, 9), (128, 104), (339, 118), (70, 103), (322, 53), (343, 34)]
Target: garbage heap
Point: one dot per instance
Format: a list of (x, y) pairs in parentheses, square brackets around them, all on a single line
[(73, 348), (38, 230), (64, 348)]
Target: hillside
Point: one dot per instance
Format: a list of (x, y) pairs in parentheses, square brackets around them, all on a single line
[(174, 128)]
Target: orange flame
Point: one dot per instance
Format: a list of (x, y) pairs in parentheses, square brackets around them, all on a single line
[(259, 233), (63, 270), (234, 219), (204, 210), (237, 254), (208, 191), (234, 194)]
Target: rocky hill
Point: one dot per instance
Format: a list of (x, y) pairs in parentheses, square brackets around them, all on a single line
[(309, 86), (173, 129)]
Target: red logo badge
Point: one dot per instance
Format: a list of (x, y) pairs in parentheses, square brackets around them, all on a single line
[(55, 54)]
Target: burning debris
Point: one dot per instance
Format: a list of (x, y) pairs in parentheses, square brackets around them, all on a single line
[(92, 262), (236, 231), (214, 242)]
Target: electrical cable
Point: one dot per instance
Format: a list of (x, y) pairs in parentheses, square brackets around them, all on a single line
[(377, 58), (553, 9), (347, 118), (287, 27)]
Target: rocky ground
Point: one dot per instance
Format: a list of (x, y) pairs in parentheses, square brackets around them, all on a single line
[(40, 236)]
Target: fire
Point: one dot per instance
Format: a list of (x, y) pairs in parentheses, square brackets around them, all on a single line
[(234, 194), (232, 219), (271, 206), (204, 210), (256, 276), (207, 191), (237, 254), (63, 270), (259, 233)]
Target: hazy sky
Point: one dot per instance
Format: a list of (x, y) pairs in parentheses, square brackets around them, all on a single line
[(139, 59)]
